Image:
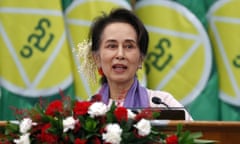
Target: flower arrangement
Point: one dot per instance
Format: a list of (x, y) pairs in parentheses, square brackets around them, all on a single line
[(89, 122)]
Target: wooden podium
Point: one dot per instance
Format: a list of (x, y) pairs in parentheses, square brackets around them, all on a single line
[(225, 132)]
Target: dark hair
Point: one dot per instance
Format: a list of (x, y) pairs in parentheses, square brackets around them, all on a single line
[(118, 15)]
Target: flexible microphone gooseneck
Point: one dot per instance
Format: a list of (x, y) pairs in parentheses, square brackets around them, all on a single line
[(158, 101)]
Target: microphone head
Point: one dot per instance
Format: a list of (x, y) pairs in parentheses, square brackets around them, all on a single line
[(156, 100)]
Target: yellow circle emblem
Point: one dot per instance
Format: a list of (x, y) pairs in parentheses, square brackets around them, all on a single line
[(179, 56), (224, 20), (35, 57)]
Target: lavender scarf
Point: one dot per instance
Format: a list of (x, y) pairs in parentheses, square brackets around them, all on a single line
[(136, 97)]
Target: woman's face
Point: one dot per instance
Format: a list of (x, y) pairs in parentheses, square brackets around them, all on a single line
[(119, 54)]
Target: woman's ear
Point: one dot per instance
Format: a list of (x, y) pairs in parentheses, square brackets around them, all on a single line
[(96, 58), (141, 59)]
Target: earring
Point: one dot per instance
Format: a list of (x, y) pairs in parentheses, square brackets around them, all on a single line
[(100, 71), (140, 66)]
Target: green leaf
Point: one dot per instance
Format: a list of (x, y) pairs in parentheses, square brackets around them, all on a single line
[(71, 137), (156, 115), (202, 141), (56, 126), (91, 124), (11, 128), (195, 135), (179, 129), (110, 117), (110, 114), (128, 125)]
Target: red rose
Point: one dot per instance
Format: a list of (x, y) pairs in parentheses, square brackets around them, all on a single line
[(121, 114), (45, 136), (173, 139), (66, 139), (77, 127), (45, 128), (146, 113), (54, 107), (37, 117), (81, 108), (96, 140), (80, 141), (135, 132), (96, 98)]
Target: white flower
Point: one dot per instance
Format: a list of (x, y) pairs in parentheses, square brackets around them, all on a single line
[(131, 115), (97, 109), (24, 139), (87, 63), (25, 125), (113, 134), (69, 123), (144, 127)]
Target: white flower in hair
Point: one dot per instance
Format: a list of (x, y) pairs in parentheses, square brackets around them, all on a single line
[(87, 64)]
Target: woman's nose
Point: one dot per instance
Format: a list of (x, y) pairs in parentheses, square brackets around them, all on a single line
[(120, 53)]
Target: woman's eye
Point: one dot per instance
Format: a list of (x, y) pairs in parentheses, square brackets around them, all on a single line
[(111, 46), (129, 46)]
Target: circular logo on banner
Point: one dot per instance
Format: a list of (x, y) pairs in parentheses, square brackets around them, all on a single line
[(79, 16), (224, 31), (35, 57), (179, 57)]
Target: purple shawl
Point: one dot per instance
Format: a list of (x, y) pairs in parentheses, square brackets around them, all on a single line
[(136, 97)]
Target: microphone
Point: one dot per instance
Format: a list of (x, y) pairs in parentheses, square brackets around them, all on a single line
[(158, 101)]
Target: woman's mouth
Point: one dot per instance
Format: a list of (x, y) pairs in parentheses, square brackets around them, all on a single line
[(119, 67)]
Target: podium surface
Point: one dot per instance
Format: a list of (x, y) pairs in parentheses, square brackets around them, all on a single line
[(225, 132)]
